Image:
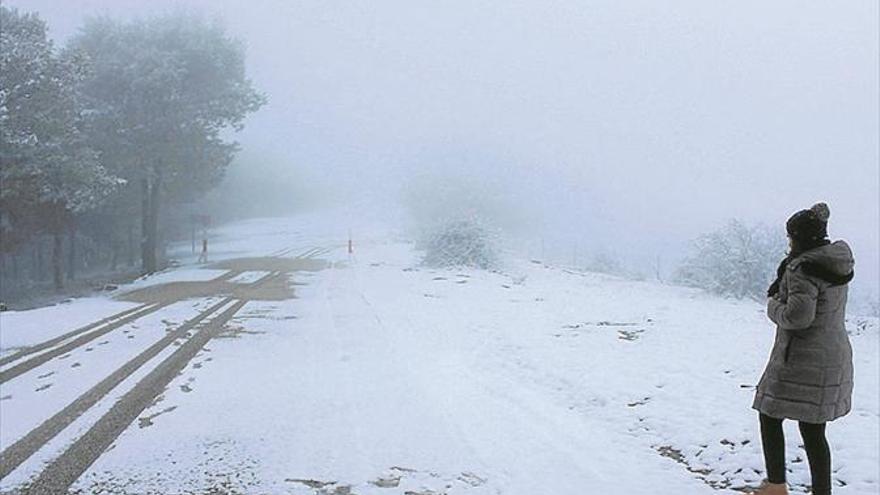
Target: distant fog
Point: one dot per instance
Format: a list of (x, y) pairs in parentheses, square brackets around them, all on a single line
[(628, 127)]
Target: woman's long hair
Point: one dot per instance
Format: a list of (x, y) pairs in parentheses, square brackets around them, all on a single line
[(800, 246)]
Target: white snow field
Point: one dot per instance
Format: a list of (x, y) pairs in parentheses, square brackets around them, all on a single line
[(381, 376)]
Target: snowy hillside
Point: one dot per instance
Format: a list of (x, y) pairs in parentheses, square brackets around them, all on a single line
[(324, 372)]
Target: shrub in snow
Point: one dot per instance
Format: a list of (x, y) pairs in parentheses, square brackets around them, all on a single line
[(604, 262), (464, 242), (736, 260)]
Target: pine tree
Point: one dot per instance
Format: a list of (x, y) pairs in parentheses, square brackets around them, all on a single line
[(48, 172), (161, 92)]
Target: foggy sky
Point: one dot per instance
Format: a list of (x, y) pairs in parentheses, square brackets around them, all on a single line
[(640, 123)]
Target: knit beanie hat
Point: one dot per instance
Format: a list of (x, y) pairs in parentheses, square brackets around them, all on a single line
[(808, 226)]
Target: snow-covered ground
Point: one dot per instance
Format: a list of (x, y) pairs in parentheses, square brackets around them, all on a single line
[(381, 376)]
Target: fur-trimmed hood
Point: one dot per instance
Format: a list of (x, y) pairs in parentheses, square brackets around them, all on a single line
[(832, 262)]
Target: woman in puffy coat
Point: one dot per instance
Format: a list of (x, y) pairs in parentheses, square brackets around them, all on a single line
[(809, 377)]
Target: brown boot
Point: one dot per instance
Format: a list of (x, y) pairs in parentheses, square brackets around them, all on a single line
[(768, 488)]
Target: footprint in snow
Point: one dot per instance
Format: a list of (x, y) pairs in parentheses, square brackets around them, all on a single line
[(629, 335), (148, 420), (472, 479), (391, 481)]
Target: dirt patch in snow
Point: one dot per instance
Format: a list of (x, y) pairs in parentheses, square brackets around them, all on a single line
[(277, 287)]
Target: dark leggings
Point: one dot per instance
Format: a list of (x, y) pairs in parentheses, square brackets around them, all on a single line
[(818, 453)]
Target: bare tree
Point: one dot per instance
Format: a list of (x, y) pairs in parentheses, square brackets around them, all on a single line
[(736, 260)]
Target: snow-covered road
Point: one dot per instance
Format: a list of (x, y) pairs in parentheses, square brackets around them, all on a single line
[(379, 376)]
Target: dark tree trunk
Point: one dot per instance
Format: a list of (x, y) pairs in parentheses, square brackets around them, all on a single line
[(57, 254), (158, 245), (33, 272), (114, 254), (41, 266), (71, 251), (130, 245), (145, 222), (150, 223), (56, 228)]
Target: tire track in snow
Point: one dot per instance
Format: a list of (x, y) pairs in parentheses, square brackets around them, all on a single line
[(62, 472), (85, 338), (26, 446), (88, 333), (84, 335), (79, 456), (61, 338), (113, 321)]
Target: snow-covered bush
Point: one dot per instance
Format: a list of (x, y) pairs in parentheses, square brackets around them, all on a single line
[(736, 260), (605, 262), (462, 242)]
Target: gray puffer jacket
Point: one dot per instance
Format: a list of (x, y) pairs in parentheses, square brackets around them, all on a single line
[(809, 376)]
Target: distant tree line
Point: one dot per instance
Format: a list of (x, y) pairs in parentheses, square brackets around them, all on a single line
[(101, 140)]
